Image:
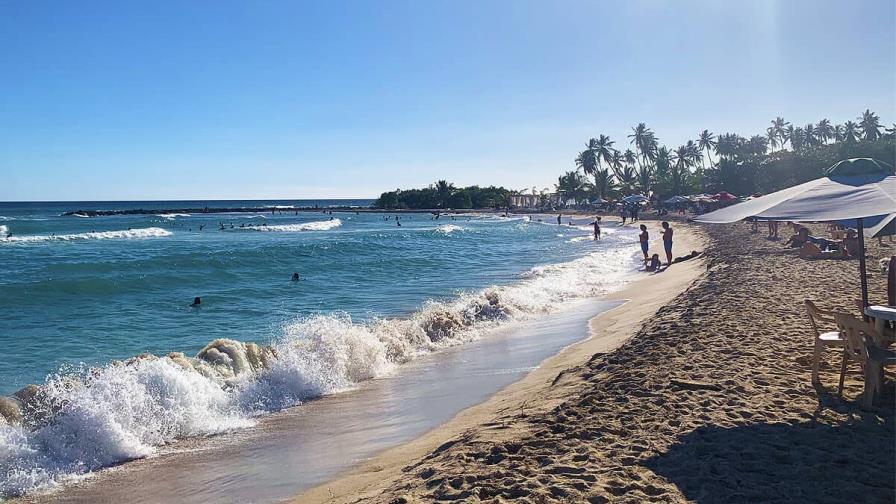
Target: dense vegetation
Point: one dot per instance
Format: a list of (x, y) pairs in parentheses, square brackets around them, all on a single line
[(443, 194), (783, 156)]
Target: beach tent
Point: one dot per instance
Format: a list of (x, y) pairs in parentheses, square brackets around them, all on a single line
[(599, 201), (635, 198), (875, 227), (859, 189), (677, 199)]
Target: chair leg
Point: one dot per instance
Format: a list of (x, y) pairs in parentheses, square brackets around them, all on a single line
[(816, 358), (872, 383), (842, 374)]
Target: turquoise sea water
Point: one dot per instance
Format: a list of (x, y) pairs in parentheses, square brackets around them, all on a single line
[(77, 293)]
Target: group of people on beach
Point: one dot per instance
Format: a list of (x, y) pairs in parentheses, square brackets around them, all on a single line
[(652, 263), (812, 247)]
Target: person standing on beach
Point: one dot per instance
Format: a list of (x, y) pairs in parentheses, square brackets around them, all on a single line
[(596, 228), (622, 214), (667, 242), (645, 238)]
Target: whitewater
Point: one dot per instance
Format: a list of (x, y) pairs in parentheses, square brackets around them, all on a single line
[(86, 415)]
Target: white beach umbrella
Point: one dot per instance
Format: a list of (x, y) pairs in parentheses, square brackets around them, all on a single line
[(855, 189), (635, 198)]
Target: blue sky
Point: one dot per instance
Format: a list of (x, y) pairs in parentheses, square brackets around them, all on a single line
[(275, 99)]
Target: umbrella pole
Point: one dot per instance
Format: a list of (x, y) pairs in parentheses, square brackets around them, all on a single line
[(863, 272)]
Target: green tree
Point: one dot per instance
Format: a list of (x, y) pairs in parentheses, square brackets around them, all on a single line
[(869, 123), (850, 132), (443, 192), (706, 142), (824, 130)]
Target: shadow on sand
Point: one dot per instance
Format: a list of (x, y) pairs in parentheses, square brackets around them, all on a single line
[(778, 462)]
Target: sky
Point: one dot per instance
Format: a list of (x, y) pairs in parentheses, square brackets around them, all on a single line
[(109, 100)]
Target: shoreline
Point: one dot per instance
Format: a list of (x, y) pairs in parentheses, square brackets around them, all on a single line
[(579, 335), (540, 390)]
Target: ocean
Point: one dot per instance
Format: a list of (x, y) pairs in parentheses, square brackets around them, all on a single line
[(90, 304)]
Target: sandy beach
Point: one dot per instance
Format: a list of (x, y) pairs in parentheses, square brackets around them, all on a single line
[(696, 390)]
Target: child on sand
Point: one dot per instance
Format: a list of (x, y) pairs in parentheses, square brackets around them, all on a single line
[(644, 236), (654, 264), (667, 241)]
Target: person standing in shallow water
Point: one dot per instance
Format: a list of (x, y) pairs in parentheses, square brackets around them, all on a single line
[(667, 242), (645, 240), (596, 228)]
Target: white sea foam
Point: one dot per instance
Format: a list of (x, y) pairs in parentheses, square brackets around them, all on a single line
[(3, 232), (151, 232), (172, 216), (448, 228), (122, 411), (305, 226)]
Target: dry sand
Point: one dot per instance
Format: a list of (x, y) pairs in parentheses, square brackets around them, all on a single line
[(709, 401)]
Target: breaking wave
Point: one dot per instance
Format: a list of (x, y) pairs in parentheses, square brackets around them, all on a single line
[(305, 226), (172, 216), (85, 419), (448, 228), (151, 232)]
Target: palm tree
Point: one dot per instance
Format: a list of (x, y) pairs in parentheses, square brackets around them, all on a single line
[(890, 133), (809, 135), (443, 192), (639, 138), (706, 142), (798, 138), (772, 137), (587, 159), (571, 185), (824, 131), (779, 127), (838, 133), (603, 182), (850, 132), (869, 123), (683, 160), (603, 149), (757, 146), (625, 172), (787, 135), (616, 161)]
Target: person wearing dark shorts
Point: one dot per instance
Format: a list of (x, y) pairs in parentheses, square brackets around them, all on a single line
[(645, 239), (667, 242)]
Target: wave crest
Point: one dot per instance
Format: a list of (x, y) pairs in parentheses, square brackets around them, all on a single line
[(151, 232), (305, 226)]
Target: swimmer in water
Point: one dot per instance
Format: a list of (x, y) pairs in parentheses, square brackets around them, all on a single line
[(196, 302), (295, 276)]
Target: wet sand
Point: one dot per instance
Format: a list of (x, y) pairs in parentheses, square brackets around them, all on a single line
[(709, 401)]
